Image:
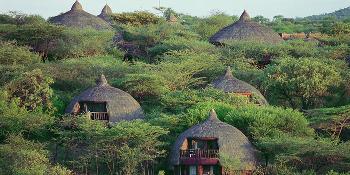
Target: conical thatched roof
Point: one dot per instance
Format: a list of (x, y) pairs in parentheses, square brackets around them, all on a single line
[(106, 14), (231, 141), (245, 30), (171, 18), (78, 18), (120, 105), (230, 84)]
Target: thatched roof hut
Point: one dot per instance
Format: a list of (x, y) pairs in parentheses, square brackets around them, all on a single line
[(106, 13), (230, 84), (171, 18), (117, 104), (78, 18), (231, 142), (245, 30)]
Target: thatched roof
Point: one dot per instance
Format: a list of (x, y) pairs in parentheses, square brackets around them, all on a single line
[(106, 14), (120, 105), (231, 141), (245, 30), (78, 18), (171, 18), (230, 84)]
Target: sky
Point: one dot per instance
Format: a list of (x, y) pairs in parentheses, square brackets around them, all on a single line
[(267, 8)]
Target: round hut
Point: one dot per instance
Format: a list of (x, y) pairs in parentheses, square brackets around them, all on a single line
[(106, 13), (230, 84), (78, 18), (171, 18), (245, 30), (104, 102), (206, 148)]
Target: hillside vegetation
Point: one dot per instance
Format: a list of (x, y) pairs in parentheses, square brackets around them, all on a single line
[(168, 68)]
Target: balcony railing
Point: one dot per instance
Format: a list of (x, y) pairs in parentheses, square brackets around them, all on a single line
[(99, 116), (199, 154)]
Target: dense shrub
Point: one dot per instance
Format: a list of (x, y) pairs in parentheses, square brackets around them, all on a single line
[(32, 89), (16, 120), (20, 156), (209, 26), (12, 54), (81, 43), (302, 81), (41, 37), (180, 43), (135, 18), (256, 121)]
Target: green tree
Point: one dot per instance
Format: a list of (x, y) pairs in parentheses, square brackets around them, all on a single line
[(15, 120), (20, 156), (300, 82), (41, 37), (135, 18), (12, 54), (33, 90)]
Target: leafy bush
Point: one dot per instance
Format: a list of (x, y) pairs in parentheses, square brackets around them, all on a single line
[(81, 43), (32, 89), (40, 37), (143, 86), (256, 121), (135, 18), (180, 43), (302, 81), (179, 101), (20, 156), (11, 54), (15, 119), (209, 26)]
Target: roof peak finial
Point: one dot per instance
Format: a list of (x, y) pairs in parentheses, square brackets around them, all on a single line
[(77, 6), (245, 16), (106, 10), (213, 115), (102, 81), (228, 73)]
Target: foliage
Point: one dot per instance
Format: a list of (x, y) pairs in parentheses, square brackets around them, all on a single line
[(302, 81), (12, 54), (143, 86), (185, 69), (209, 26), (32, 89), (135, 18), (76, 43), (181, 100), (40, 36), (127, 145), (334, 121), (15, 120), (20, 156)]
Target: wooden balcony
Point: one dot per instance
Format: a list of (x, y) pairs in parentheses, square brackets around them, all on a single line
[(198, 156), (99, 116)]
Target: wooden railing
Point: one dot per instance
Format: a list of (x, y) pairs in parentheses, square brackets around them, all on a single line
[(99, 116), (199, 154)]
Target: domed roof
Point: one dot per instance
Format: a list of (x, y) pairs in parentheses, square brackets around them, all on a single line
[(120, 105), (230, 84), (78, 18), (245, 30), (106, 13), (231, 141)]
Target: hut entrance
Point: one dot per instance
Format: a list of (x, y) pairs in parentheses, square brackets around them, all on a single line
[(98, 110)]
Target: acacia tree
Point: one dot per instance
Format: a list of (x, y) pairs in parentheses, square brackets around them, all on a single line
[(301, 83)]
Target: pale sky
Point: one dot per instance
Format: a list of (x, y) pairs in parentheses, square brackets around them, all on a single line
[(267, 8)]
